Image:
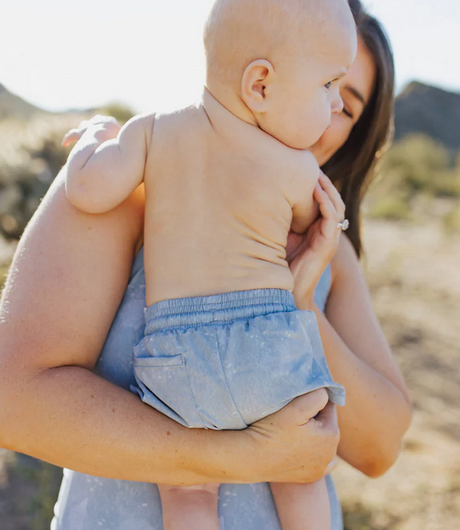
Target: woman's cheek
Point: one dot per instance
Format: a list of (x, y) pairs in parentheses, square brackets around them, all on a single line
[(332, 139)]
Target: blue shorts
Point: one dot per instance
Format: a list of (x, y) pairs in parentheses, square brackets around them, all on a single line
[(228, 360)]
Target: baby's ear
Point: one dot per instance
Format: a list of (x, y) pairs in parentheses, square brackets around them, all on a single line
[(256, 80)]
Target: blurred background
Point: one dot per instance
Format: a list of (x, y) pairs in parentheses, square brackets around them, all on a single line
[(63, 62)]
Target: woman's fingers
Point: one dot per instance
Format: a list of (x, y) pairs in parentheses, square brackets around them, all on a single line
[(331, 206), (330, 217), (333, 195)]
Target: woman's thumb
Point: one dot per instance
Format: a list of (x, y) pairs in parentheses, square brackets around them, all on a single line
[(305, 407)]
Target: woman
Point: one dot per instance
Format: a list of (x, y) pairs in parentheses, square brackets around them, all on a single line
[(66, 283)]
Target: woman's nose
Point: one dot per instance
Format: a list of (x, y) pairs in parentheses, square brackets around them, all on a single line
[(337, 104)]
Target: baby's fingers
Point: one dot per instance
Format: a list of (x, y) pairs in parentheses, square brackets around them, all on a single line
[(71, 137), (75, 134)]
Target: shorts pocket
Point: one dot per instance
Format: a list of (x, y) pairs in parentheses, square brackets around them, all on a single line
[(164, 384)]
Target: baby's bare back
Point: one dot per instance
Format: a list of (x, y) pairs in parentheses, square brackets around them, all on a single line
[(219, 201)]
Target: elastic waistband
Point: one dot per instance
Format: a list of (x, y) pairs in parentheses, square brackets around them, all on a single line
[(216, 309)]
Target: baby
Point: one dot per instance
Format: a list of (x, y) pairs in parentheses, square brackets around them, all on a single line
[(225, 182)]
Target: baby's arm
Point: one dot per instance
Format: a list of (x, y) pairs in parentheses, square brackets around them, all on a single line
[(102, 174), (304, 206)]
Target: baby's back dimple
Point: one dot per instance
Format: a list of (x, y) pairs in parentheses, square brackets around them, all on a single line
[(216, 221)]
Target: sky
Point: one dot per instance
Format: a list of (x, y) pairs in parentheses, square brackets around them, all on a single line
[(148, 53)]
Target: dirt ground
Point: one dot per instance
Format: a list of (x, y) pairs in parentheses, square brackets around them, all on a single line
[(414, 276)]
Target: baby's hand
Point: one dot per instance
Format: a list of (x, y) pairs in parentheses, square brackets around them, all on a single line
[(108, 128)]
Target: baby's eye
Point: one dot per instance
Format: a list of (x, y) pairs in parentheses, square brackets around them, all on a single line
[(328, 85), (347, 113)]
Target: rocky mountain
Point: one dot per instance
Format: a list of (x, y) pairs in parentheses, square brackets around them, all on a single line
[(431, 111)]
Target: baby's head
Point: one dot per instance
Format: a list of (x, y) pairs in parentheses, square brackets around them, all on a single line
[(284, 59)]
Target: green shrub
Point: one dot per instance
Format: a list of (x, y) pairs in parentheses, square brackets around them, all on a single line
[(413, 168), (390, 208), (32, 492), (418, 164), (3, 273), (119, 111), (30, 158), (451, 221)]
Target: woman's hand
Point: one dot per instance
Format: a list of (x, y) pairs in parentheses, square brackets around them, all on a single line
[(108, 128), (308, 255), (299, 442)]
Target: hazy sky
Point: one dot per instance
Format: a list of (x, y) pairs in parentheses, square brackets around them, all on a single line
[(148, 54)]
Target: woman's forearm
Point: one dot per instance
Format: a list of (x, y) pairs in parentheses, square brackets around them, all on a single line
[(376, 414), (72, 418)]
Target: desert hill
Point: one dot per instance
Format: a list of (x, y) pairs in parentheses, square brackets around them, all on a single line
[(14, 107)]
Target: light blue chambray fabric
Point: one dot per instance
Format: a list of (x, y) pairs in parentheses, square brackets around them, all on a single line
[(92, 503), (236, 358)]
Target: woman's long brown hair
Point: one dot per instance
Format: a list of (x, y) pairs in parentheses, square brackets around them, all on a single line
[(352, 167)]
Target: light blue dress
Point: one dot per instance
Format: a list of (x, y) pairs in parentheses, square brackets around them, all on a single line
[(92, 503)]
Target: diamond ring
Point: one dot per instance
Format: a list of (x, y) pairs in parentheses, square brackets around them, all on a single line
[(343, 225)]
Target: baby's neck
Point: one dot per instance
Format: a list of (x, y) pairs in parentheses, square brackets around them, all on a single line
[(230, 100), (231, 119)]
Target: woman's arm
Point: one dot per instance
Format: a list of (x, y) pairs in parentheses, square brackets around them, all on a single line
[(378, 411), (65, 285)]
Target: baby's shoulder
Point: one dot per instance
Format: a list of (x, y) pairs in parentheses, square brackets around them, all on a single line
[(141, 122), (179, 121), (301, 167), (304, 165), (181, 131)]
